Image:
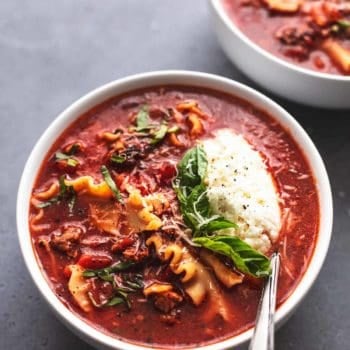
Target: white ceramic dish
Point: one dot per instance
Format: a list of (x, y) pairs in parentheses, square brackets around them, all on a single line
[(274, 74), (76, 324)]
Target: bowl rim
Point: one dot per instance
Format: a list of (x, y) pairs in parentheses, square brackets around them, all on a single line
[(184, 78), (218, 7)]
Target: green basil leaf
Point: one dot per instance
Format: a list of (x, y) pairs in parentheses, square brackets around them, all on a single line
[(191, 193), (245, 258), (118, 267), (65, 192), (111, 184), (115, 301), (343, 24), (192, 167), (218, 223), (159, 134), (70, 160), (142, 119), (118, 158), (89, 273)]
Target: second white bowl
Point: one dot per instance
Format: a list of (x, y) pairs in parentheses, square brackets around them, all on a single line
[(274, 74)]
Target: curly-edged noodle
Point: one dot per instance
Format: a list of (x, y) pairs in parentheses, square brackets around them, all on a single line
[(48, 193), (140, 212), (78, 287), (223, 273), (87, 185), (157, 288), (105, 216), (285, 6), (338, 53), (197, 280), (34, 219)]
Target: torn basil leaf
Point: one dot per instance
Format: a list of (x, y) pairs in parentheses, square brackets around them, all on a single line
[(197, 214), (68, 158), (142, 119), (65, 193), (192, 195), (245, 258), (118, 158), (111, 184), (159, 134)]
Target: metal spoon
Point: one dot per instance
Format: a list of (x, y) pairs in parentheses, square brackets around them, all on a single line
[(263, 337)]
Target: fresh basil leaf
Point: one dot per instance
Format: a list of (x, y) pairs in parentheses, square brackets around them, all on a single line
[(191, 193), (192, 167), (118, 267), (159, 134), (245, 258), (218, 223), (73, 149), (115, 301), (142, 119), (89, 273), (62, 156), (195, 207), (65, 192), (343, 24), (118, 158), (134, 284), (111, 184)]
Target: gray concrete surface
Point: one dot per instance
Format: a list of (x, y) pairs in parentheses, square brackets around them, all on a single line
[(51, 53)]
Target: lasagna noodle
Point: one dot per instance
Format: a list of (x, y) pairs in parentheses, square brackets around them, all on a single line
[(87, 185), (197, 280), (78, 287)]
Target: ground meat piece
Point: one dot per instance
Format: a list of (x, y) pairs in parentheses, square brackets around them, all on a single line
[(67, 241), (302, 35), (165, 302), (136, 253)]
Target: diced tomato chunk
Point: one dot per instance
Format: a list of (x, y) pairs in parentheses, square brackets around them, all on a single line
[(67, 271), (122, 244), (94, 261), (167, 172)]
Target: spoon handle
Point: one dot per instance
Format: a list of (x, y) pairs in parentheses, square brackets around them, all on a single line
[(263, 337)]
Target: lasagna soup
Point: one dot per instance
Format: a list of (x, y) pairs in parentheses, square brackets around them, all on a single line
[(313, 34), (154, 214)]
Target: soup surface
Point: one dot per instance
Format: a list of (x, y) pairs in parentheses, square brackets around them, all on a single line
[(312, 34), (155, 213)]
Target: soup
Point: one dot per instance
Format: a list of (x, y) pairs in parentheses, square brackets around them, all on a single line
[(312, 34), (156, 212)]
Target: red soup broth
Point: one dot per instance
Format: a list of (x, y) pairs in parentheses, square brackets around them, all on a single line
[(277, 32), (187, 324)]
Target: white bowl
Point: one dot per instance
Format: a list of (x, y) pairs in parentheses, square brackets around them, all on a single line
[(76, 324), (279, 76)]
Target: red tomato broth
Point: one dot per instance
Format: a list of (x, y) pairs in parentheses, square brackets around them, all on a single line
[(260, 25), (142, 324)]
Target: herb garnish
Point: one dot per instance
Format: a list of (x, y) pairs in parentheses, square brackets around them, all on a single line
[(246, 259), (192, 194), (142, 119), (155, 131), (123, 284), (68, 155), (111, 184), (343, 24), (118, 158), (159, 134), (194, 205), (65, 193), (107, 273)]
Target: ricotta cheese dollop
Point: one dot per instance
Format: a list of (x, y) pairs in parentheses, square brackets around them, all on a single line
[(241, 189)]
